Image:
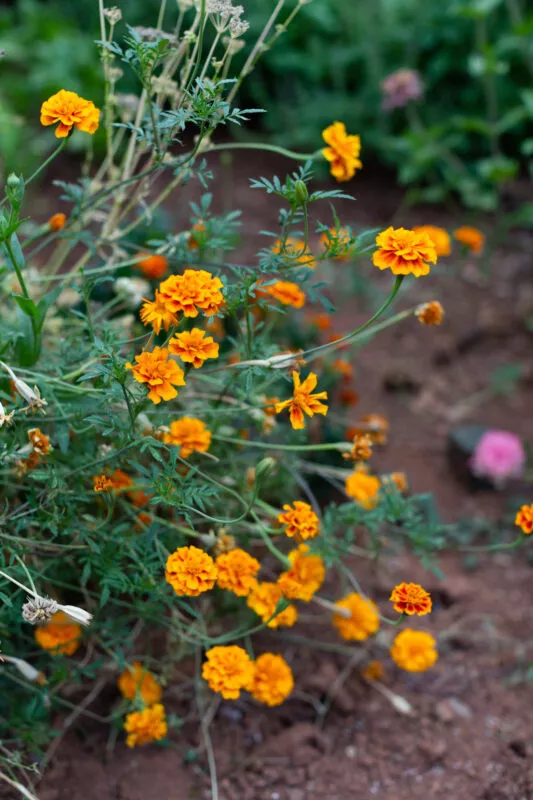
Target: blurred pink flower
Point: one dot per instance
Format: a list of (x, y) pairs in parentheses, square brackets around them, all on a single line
[(400, 87), (499, 455)]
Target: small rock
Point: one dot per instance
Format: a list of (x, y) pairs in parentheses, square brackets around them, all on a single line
[(433, 749), (451, 709)]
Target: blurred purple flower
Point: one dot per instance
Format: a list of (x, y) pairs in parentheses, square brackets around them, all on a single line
[(499, 455), (400, 87)]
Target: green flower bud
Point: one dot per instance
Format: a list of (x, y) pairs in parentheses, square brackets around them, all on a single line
[(301, 195), (15, 189), (265, 466)]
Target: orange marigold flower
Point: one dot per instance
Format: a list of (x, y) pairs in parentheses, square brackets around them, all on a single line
[(287, 293), (338, 240), (57, 221), (236, 572), (190, 434), (120, 479), (414, 651), (524, 519), (156, 314), (194, 291), (102, 483), (159, 372), (153, 265), (343, 151), (190, 571), (404, 252), (264, 599), (305, 576), (39, 441), (136, 680), (439, 237), (196, 236), (70, 110), (375, 425), (398, 480), (344, 368), (293, 251), (300, 520), (363, 488), (272, 680), (193, 347), (322, 321), (224, 543), (60, 636), (148, 725), (411, 598), (361, 448), (364, 619), (471, 238), (269, 406), (303, 401), (348, 397), (374, 671), (228, 669), (430, 313), (143, 520)]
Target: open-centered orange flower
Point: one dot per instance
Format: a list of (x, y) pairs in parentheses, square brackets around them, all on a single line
[(411, 598), (264, 600), (363, 488), (414, 651), (299, 520), (57, 221), (156, 314), (471, 238), (364, 619), (236, 572), (159, 372), (305, 576), (439, 237), (293, 251), (153, 265), (136, 680), (286, 292), (303, 401), (343, 151), (190, 434), (272, 680), (361, 448), (70, 111), (60, 636), (339, 241), (194, 291), (524, 519), (404, 252), (431, 313), (193, 347), (148, 725), (102, 483), (190, 571), (228, 670)]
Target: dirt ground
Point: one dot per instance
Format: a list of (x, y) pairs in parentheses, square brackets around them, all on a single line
[(470, 733)]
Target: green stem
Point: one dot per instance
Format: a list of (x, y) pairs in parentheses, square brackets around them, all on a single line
[(48, 160), (273, 148), (340, 446)]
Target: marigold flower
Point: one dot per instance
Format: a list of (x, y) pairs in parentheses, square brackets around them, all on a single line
[(228, 669), (498, 456), (57, 221), (144, 520), (361, 448), (190, 571), (293, 251), (414, 651), (439, 237), (159, 372), (102, 483), (153, 265), (471, 238), (59, 636), (24, 465), (300, 520), (194, 291), (287, 293), (430, 313), (343, 151), (398, 480), (411, 598), (339, 240), (272, 680), (321, 321), (305, 576), (39, 441), (190, 434), (70, 110), (404, 252), (193, 347), (375, 425), (148, 725), (344, 368), (303, 401), (524, 519), (374, 671), (364, 620), (348, 396), (363, 488), (264, 600), (236, 572), (120, 480), (136, 680), (156, 314)]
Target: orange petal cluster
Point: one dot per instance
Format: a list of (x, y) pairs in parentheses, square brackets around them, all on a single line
[(272, 680), (299, 520), (194, 291), (305, 576), (364, 619), (404, 252), (156, 314), (264, 599), (411, 598), (414, 651), (343, 151), (228, 670), (70, 111), (303, 401), (237, 572), (193, 347), (148, 725), (159, 372), (190, 571), (61, 636), (136, 680), (190, 434)]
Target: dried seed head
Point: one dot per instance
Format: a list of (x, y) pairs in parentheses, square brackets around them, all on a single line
[(113, 15), (5, 419), (31, 396), (39, 610)]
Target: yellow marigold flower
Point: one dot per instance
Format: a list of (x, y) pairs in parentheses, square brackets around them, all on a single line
[(343, 151), (411, 598), (193, 347), (156, 314), (293, 251), (272, 680), (305, 576), (299, 520), (364, 620), (190, 434), (136, 680), (39, 441), (404, 252), (414, 651), (236, 572), (228, 669), (363, 488), (303, 401), (194, 291), (472, 238), (148, 725), (57, 221), (430, 313), (340, 239), (153, 265), (102, 483), (190, 571), (287, 293), (59, 636), (264, 600), (70, 110), (524, 519), (439, 237), (373, 671), (159, 372), (398, 480), (361, 448)]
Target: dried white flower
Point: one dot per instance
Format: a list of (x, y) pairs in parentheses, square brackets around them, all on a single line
[(238, 27), (31, 396), (77, 614), (5, 419), (26, 669), (132, 291), (113, 15), (38, 610)]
